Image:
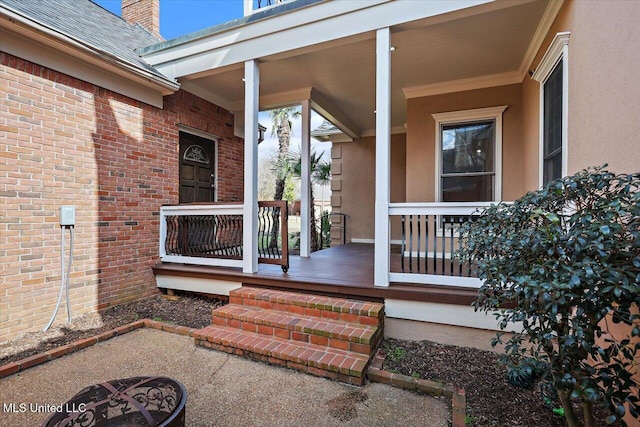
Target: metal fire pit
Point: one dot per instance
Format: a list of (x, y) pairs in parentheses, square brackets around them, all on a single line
[(138, 401)]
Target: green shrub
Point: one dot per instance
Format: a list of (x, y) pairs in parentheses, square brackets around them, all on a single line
[(564, 262)]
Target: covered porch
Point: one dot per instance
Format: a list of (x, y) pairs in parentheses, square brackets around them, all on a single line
[(385, 73)]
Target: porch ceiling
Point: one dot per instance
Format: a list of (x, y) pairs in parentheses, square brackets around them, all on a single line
[(431, 54)]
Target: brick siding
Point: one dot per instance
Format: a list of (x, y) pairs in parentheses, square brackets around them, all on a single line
[(65, 141)]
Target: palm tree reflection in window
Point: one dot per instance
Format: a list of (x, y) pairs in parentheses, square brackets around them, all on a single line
[(468, 161)]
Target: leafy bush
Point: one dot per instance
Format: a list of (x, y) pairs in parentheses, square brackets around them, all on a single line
[(564, 262)]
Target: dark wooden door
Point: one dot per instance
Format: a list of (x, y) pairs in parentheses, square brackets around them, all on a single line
[(197, 178)]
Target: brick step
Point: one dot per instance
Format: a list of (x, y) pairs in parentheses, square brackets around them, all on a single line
[(316, 330), (366, 313), (319, 360)]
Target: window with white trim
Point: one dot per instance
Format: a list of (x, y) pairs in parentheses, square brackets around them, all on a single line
[(469, 155), (552, 73)]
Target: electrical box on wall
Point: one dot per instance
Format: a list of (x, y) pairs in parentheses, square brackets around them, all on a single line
[(67, 215)]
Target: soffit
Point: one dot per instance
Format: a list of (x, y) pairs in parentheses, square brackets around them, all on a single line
[(343, 71)]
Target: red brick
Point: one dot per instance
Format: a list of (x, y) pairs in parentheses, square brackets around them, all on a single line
[(8, 369), (317, 371), (297, 336), (308, 311), (60, 351), (348, 317), (330, 314), (338, 343), (296, 309), (319, 340), (84, 343), (234, 323), (33, 360), (265, 330), (118, 157), (282, 333), (249, 327), (360, 348), (106, 335), (366, 320)]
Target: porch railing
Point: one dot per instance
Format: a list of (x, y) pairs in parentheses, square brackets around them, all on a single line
[(429, 238), (330, 222), (273, 233), (211, 234), (251, 6)]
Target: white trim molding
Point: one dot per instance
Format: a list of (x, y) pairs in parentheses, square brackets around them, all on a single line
[(382, 226), (552, 56), (473, 83), (557, 51), (454, 117)]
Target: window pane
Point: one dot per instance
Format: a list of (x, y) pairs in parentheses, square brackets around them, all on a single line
[(467, 188), (468, 147), (552, 165)]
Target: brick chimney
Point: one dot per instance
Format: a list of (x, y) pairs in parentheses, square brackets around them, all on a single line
[(143, 12)]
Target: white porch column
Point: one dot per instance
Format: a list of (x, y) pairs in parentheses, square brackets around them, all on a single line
[(248, 7), (383, 141), (250, 206), (305, 181)]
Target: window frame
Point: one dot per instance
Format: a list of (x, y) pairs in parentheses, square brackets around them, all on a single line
[(470, 116), (557, 52)]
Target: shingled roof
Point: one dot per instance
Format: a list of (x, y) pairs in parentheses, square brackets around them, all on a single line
[(91, 25)]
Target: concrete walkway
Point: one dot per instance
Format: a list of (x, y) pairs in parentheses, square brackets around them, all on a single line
[(223, 390)]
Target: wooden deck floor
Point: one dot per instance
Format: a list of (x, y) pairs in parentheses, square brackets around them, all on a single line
[(345, 270)]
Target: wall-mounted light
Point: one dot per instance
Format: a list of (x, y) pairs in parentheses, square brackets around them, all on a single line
[(392, 48)]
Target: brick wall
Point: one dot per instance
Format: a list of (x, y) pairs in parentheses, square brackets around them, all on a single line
[(143, 12), (65, 141)]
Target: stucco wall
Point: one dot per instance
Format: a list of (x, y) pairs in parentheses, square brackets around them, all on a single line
[(421, 149), (355, 194), (604, 91), (65, 141)]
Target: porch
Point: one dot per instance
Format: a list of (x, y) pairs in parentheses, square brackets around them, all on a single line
[(344, 270)]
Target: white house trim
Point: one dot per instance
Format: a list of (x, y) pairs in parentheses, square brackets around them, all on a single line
[(490, 113), (557, 51), (383, 155), (305, 181), (250, 206)]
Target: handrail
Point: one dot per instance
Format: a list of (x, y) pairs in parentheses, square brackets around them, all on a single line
[(342, 225)]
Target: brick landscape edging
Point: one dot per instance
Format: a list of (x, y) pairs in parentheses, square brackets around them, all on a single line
[(38, 359), (434, 388)]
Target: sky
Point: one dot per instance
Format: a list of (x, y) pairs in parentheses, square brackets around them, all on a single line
[(180, 17)]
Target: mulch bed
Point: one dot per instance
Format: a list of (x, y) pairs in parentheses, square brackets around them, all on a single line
[(491, 400), (189, 310)]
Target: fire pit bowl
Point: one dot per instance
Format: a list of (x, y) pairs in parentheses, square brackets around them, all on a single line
[(138, 401)]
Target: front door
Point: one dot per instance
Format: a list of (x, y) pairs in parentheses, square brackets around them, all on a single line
[(197, 169)]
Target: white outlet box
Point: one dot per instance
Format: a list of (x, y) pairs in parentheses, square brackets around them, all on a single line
[(67, 215)]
